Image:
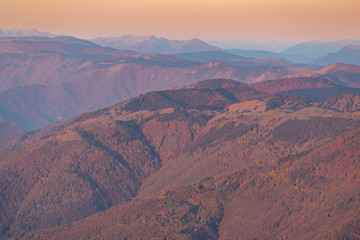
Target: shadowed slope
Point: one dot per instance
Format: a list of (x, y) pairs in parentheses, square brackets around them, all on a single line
[(311, 195), (72, 173)]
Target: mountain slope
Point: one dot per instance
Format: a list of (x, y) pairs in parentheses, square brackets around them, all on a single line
[(97, 158), (72, 173), (340, 73), (158, 141), (9, 131), (293, 198), (344, 102)]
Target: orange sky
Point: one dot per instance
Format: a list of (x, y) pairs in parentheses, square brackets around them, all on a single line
[(279, 19)]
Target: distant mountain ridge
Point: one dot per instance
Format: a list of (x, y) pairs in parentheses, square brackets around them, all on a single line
[(233, 59), (349, 54), (9, 131), (320, 52), (320, 48), (23, 33), (260, 54), (45, 80), (275, 45), (51, 79), (151, 44)]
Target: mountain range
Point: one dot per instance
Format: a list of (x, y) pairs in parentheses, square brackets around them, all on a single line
[(312, 52), (52, 79), (236, 60), (138, 137), (275, 45), (151, 44), (348, 54), (218, 159), (320, 52), (320, 48), (46, 80)]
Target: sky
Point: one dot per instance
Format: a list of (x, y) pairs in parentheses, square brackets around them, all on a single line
[(294, 20)]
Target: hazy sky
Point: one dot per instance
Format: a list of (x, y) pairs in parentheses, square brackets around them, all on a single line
[(278, 19)]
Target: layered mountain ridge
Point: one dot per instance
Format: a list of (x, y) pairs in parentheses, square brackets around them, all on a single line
[(152, 44), (51, 79), (47, 80)]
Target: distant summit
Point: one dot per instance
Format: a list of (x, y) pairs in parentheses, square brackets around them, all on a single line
[(320, 48), (349, 54), (23, 33), (275, 45), (152, 44)]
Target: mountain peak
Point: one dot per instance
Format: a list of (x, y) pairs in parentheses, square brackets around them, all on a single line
[(152, 44), (22, 33), (320, 48)]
